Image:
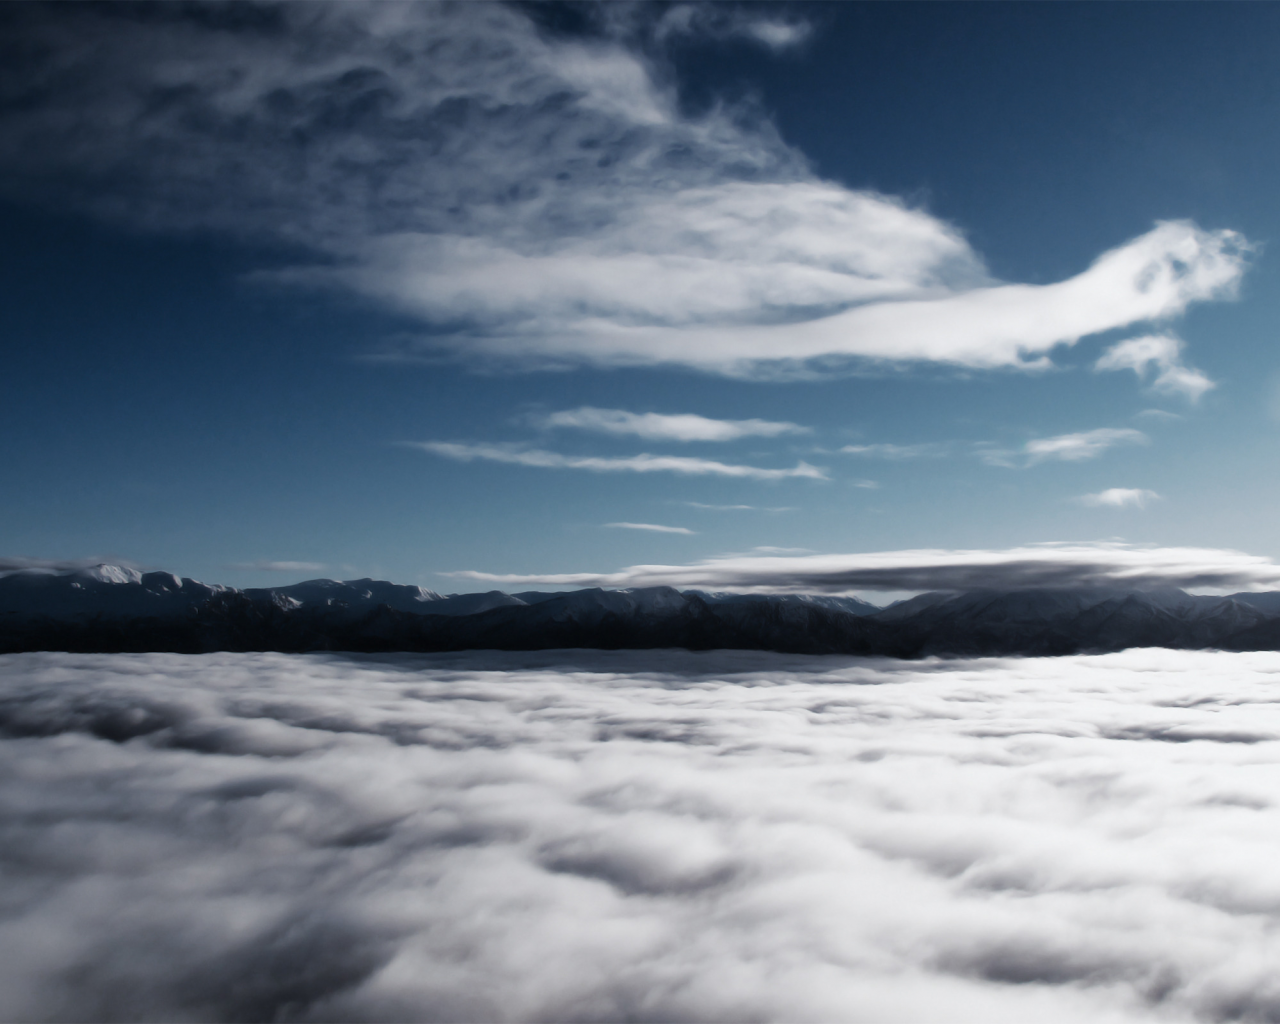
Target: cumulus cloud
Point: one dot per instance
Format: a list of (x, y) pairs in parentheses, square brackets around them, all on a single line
[(1157, 357), (643, 463), (1078, 447), (650, 526), (1041, 565), (666, 427), (268, 566), (620, 836), (531, 196), (1119, 497)]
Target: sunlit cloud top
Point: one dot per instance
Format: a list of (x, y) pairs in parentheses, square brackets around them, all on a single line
[(542, 200)]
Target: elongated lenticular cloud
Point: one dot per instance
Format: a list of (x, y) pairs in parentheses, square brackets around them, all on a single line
[(533, 197), (1045, 565), (643, 463), (665, 427)]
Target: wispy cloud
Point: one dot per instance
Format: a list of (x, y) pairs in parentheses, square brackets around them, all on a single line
[(651, 526), (739, 508), (665, 427), (1159, 357), (643, 463), (1119, 497), (721, 21), (896, 452), (1078, 447), (1042, 565), (535, 198), (280, 566)]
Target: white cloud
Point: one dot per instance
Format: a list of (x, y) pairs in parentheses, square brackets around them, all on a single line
[(651, 526), (1078, 447), (1163, 354), (1119, 497), (275, 566), (867, 485), (739, 508), (664, 835), (896, 452), (1041, 565), (665, 427), (539, 199), (18, 563), (643, 463), (719, 21)]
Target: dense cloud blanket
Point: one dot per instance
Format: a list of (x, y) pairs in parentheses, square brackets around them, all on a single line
[(580, 836)]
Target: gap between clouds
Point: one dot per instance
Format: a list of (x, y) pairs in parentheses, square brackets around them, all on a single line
[(1041, 565), (538, 198)]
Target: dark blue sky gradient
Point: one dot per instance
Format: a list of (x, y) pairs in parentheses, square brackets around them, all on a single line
[(160, 405)]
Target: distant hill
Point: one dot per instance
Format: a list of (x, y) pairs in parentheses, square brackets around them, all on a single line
[(108, 609)]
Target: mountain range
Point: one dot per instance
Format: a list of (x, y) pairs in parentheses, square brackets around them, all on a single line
[(107, 608)]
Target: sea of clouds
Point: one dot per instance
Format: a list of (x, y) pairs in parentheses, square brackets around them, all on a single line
[(655, 836)]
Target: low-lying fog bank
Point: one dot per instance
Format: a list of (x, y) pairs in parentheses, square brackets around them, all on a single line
[(652, 836)]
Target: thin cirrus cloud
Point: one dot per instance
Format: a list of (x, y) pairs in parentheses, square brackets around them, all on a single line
[(1077, 447), (896, 452), (1119, 497), (280, 566), (643, 463), (1157, 357), (537, 198), (1042, 565), (654, 426), (652, 527)]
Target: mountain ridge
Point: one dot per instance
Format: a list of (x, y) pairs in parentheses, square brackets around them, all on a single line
[(111, 608)]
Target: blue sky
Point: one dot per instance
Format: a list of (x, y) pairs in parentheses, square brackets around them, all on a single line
[(404, 290)]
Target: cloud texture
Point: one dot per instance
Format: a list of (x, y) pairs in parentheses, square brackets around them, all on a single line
[(666, 427), (533, 197), (1158, 358), (643, 463), (1042, 565), (1120, 497), (601, 837)]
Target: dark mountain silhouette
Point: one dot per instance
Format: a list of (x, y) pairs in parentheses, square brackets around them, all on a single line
[(111, 609)]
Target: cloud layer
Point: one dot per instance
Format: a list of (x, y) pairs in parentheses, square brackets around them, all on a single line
[(534, 197), (1043, 565), (606, 837), (643, 463), (665, 427)]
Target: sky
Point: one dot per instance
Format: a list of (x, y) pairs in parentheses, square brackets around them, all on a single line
[(406, 291)]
